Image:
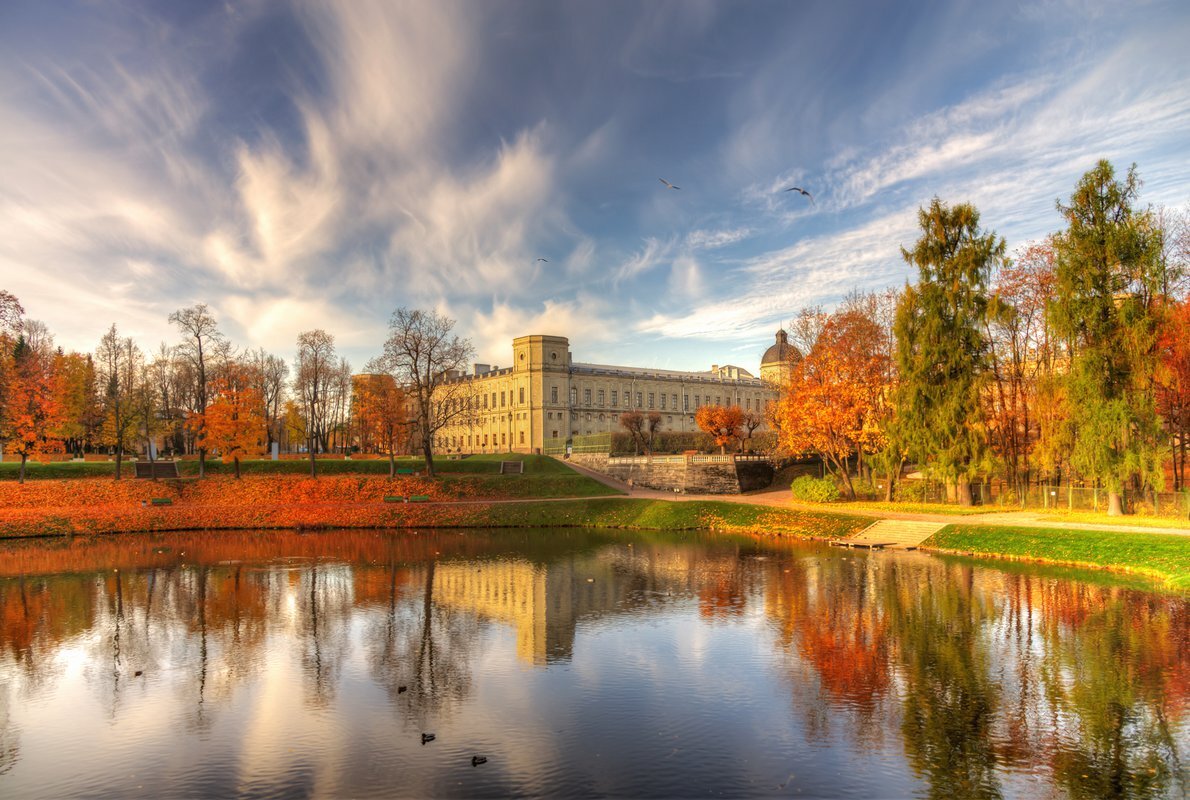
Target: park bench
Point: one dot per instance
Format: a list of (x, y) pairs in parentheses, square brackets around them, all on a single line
[(405, 471), (419, 498), (156, 469), (162, 501), (395, 498)]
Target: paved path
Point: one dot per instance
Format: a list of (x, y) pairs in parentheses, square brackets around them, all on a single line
[(780, 497)]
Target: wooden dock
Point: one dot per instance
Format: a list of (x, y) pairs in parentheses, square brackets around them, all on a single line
[(899, 534)]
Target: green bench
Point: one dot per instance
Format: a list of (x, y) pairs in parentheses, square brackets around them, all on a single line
[(419, 498), (162, 501), (395, 498), (405, 471)]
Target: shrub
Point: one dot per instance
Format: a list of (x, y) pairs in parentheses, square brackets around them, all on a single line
[(814, 490), (911, 491)]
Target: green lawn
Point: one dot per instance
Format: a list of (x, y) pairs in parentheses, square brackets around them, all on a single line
[(1104, 519), (478, 464), (919, 508), (1165, 557)]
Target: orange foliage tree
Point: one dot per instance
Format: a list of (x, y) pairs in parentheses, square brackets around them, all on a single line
[(1173, 388), (380, 410), (826, 407), (33, 410), (234, 424), (723, 423)]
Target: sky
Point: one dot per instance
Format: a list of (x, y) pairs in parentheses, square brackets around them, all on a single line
[(299, 165)]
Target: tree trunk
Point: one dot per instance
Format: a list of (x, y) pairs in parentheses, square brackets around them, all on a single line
[(119, 460), (1115, 504), (202, 462), (23, 457), (429, 454), (237, 460), (310, 448), (963, 486), (392, 464)]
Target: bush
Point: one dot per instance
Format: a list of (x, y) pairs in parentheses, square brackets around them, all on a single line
[(814, 490), (911, 491)]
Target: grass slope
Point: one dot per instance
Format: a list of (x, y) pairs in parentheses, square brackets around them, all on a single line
[(1165, 557)]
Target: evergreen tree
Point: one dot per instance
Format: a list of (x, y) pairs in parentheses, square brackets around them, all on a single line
[(941, 346), (1110, 294)]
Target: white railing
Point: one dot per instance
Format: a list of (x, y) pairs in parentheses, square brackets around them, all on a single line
[(698, 458)]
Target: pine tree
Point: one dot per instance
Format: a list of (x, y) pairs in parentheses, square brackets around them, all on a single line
[(941, 346), (1110, 294)]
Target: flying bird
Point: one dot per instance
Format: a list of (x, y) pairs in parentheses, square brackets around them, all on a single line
[(667, 183), (803, 191), (546, 260)]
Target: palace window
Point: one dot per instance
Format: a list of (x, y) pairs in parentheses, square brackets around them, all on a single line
[(502, 399), (485, 401), (600, 398), (503, 438), (615, 398), (651, 400), (553, 434), (718, 400), (493, 399), (553, 394), (675, 401), (522, 400), (522, 437), (586, 397), (627, 400), (485, 440), (697, 400), (638, 403), (663, 400), (685, 402)]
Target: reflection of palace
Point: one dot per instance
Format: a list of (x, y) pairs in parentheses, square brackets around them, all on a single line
[(542, 602), (545, 602)]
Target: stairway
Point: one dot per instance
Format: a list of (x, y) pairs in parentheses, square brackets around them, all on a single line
[(901, 534)]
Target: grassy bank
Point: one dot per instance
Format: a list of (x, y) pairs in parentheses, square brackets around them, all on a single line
[(488, 464), (1163, 557)]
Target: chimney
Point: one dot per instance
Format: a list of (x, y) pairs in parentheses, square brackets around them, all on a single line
[(482, 369)]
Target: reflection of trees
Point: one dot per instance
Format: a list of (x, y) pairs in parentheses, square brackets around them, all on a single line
[(324, 610), (950, 697), (1116, 663), (10, 739), (420, 645)]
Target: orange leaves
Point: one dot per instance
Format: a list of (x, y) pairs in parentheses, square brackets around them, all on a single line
[(721, 422)]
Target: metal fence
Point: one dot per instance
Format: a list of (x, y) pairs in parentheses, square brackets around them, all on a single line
[(1062, 497)]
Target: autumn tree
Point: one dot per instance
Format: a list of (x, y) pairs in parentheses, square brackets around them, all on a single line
[(76, 392), (314, 376), (380, 411), (11, 312), (426, 359), (721, 422), (652, 427), (1173, 390), (201, 341), (33, 409), (825, 407), (634, 423), (118, 366), (1109, 298), (235, 424), (941, 346), (1022, 358), (750, 420)]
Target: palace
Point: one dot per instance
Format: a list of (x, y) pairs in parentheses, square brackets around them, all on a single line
[(545, 398)]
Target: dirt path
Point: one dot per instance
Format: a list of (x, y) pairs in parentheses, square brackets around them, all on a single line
[(780, 498)]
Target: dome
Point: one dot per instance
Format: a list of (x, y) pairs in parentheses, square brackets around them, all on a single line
[(781, 352)]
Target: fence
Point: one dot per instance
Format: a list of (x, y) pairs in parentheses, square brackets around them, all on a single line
[(1059, 497)]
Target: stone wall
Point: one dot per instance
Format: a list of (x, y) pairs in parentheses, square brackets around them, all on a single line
[(682, 474)]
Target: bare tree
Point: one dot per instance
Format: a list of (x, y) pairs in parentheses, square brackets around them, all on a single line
[(634, 423), (315, 373), (428, 362), (200, 340), (268, 375), (119, 366)]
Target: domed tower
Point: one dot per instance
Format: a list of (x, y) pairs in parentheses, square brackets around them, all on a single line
[(777, 362)]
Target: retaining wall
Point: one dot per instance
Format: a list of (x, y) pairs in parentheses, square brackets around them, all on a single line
[(691, 475)]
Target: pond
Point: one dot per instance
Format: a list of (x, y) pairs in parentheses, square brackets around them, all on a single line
[(576, 663)]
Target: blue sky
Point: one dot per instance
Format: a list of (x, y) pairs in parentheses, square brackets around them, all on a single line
[(301, 165)]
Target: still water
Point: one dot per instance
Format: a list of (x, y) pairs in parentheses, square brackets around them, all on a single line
[(577, 663)]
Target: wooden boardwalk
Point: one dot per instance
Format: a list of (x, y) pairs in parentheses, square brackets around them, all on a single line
[(898, 534)]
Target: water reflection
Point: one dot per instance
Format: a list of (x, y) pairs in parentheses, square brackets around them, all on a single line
[(581, 663)]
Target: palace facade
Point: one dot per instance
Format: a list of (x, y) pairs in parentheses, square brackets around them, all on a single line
[(545, 398)]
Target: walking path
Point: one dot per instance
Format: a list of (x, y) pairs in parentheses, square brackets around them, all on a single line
[(780, 497)]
